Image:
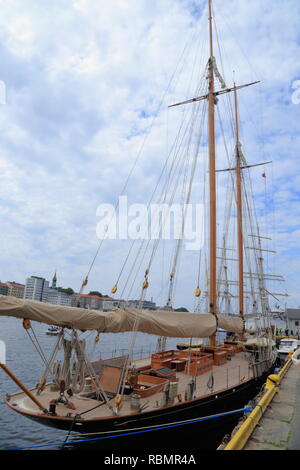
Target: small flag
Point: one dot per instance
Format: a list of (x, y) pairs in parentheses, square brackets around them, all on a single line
[(264, 175)]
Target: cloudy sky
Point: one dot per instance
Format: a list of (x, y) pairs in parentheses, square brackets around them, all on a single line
[(87, 80)]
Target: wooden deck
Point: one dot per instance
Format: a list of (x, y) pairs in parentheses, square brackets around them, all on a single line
[(233, 372)]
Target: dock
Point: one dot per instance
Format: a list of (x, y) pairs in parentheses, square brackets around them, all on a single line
[(275, 423)]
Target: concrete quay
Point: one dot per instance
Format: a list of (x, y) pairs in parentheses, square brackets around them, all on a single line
[(279, 427)]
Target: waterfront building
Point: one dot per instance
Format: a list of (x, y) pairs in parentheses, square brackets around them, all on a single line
[(36, 288), (142, 304), (111, 304), (3, 288), (92, 302), (15, 289), (293, 320), (56, 297)]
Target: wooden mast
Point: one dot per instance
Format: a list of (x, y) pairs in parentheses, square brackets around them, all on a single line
[(239, 210), (211, 96), (212, 176)]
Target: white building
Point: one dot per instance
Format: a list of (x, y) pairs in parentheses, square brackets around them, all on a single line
[(293, 320), (36, 288), (92, 302), (58, 298), (142, 304), (111, 304)]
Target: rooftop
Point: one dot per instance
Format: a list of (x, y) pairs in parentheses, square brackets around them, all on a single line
[(16, 284)]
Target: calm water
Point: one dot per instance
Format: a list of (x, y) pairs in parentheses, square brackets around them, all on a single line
[(17, 431)]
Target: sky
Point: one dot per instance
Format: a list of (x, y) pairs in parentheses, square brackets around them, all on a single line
[(87, 86)]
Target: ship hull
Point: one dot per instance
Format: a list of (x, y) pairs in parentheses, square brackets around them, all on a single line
[(165, 428)]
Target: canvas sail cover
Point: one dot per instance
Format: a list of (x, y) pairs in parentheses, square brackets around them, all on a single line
[(158, 322)]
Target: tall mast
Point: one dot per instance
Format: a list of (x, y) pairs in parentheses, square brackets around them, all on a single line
[(211, 96), (212, 175), (239, 209)]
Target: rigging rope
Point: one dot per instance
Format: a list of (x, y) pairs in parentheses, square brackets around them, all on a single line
[(186, 46)]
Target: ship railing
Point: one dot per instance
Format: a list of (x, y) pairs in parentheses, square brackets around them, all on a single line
[(137, 353), (223, 378)]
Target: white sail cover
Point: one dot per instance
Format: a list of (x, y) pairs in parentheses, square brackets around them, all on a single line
[(158, 322)]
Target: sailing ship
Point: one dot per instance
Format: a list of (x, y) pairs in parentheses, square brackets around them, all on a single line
[(198, 390)]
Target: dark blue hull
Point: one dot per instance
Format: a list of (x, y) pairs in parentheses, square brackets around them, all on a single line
[(166, 428)]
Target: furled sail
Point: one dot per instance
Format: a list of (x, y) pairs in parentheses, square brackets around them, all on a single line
[(162, 323)]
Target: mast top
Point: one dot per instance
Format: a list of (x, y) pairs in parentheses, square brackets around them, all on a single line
[(210, 28)]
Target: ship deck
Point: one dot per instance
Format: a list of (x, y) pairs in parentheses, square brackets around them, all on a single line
[(228, 375)]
